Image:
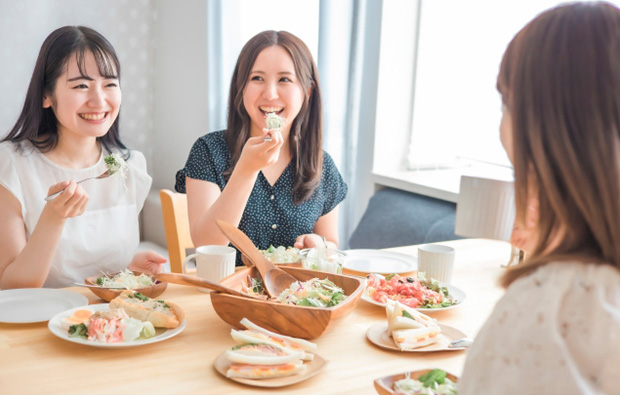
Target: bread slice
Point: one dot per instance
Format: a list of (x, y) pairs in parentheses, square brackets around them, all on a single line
[(409, 339), (265, 371), (160, 313), (402, 317)]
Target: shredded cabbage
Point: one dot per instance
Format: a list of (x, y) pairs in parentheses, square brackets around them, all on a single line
[(281, 254), (126, 279), (115, 163), (274, 121)]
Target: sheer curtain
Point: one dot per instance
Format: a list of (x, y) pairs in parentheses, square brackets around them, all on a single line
[(349, 38), (344, 40)]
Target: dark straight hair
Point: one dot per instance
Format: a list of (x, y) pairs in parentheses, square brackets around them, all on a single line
[(39, 125), (560, 80), (306, 136)]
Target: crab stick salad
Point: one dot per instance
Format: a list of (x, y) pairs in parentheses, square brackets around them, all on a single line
[(262, 354), (410, 291), (112, 326)]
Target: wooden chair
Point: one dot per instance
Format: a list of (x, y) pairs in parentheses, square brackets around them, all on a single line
[(176, 223)]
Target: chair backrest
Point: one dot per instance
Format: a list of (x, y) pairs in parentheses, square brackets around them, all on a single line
[(176, 223)]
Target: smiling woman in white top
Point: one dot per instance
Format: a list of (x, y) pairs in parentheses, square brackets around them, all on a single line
[(557, 329), (68, 125)]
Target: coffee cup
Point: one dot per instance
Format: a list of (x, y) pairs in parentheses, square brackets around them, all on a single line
[(212, 263), (436, 261)]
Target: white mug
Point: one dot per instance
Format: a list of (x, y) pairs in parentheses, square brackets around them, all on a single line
[(212, 263), (436, 261)]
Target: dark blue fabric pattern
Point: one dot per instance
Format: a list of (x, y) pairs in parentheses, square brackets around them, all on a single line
[(270, 216)]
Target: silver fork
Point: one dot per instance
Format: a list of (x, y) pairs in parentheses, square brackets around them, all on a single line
[(105, 174)]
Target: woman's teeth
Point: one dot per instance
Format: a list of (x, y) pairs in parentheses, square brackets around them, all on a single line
[(93, 117), (267, 110)]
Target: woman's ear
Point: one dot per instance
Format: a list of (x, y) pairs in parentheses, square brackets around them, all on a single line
[(310, 90), (47, 101)]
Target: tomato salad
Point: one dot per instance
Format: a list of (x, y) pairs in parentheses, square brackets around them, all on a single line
[(413, 292)]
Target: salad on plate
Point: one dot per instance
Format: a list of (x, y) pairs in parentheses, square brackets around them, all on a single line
[(281, 254), (434, 382), (413, 292), (125, 279), (107, 326)]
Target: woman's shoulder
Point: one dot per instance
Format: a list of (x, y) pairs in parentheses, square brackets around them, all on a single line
[(566, 274), (214, 139), (137, 157), (21, 148)]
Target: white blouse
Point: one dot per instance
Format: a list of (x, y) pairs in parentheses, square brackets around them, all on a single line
[(106, 236), (556, 331)]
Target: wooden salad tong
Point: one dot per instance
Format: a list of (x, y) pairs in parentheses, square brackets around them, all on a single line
[(184, 279), (275, 279)]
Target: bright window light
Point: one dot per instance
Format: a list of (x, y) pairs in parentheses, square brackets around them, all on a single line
[(457, 109)]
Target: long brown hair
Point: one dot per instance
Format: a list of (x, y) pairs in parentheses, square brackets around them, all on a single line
[(306, 136), (560, 80), (38, 124)]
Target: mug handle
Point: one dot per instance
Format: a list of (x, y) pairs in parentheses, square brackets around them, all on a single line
[(187, 259)]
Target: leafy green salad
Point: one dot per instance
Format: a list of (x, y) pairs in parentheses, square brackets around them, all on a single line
[(313, 293), (434, 382)]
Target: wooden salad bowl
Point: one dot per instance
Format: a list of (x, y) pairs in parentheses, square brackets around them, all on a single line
[(291, 320), (385, 385), (108, 294)]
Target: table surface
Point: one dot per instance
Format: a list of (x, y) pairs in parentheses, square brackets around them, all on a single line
[(33, 360)]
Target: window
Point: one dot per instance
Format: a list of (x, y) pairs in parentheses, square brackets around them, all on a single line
[(456, 107)]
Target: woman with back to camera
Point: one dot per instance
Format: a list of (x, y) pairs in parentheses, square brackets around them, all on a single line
[(68, 125), (557, 329), (278, 186)]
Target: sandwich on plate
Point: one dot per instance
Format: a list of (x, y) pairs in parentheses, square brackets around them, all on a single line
[(409, 328), (160, 313), (262, 354)]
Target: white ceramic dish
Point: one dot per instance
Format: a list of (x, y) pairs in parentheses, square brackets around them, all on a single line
[(379, 336), (379, 261), (55, 326), (29, 305), (313, 367), (453, 291)]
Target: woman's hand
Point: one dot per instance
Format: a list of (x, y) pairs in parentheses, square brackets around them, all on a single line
[(147, 262), (70, 203), (310, 240), (258, 153)]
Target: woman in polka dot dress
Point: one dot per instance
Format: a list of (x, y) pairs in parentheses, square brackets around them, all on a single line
[(277, 185)]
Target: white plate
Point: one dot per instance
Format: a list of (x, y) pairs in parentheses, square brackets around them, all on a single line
[(453, 292), (28, 305), (378, 261), (55, 326), (379, 336), (312, 368)]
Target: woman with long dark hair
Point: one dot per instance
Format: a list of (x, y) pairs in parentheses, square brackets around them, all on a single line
[(557, 329), (278, 186), (68, 125)]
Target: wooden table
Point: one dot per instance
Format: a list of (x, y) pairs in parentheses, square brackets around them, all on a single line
[(33, 360)]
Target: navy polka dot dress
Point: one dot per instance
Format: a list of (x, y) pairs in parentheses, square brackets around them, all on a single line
[(270, 216)]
